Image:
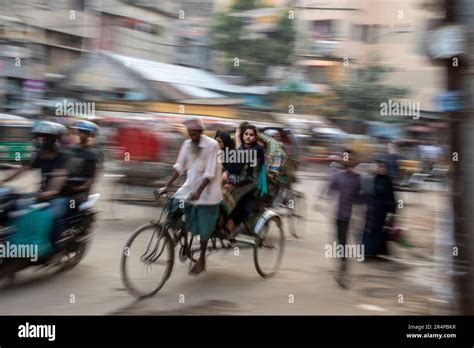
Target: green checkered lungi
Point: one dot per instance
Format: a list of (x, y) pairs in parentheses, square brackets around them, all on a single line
[(200, 219)]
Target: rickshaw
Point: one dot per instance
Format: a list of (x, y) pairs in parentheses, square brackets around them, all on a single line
[(152, 248), (291, 202), (16, 142)]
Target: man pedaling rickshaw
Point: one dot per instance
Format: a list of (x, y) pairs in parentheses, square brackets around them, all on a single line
[(199, 198)]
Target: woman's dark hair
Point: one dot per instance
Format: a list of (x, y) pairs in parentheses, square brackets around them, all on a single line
[(242, 125), (228, 143), (244, 129)]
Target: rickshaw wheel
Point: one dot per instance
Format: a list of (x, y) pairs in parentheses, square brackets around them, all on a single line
[(269, 246)]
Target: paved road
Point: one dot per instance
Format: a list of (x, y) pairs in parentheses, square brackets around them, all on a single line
[(231, 285)]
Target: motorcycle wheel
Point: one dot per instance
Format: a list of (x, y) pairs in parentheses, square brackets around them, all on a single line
[(73, 258)]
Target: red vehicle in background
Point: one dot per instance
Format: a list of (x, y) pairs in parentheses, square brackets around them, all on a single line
[(143, 154), (137, 144)]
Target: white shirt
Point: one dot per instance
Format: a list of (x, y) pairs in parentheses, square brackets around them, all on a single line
[(200, 166)]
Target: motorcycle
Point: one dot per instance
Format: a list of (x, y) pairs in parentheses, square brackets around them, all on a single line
[(25, 230)]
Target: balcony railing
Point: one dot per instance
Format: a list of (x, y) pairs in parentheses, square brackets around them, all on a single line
[(325, 48)]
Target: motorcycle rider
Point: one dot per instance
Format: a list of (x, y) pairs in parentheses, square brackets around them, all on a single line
[(52, 161), (83, 163)]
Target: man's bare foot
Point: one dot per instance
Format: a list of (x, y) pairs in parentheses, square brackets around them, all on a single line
[(222, 221), (198, 267), (230, 224), (241, 228)]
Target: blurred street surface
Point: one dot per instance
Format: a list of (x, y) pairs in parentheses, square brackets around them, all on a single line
[(231, 284)]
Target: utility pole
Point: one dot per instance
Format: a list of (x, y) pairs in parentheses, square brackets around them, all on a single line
[(460, 80), (466, 17)]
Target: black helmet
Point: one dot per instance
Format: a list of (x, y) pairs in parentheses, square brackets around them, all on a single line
[(86, 126), (50, 128), (51, 131)]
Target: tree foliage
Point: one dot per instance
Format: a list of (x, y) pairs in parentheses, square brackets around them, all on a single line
[(255, 51), (359, 97)]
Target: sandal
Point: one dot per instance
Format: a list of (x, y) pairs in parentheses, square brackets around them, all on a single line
[(198, 268)]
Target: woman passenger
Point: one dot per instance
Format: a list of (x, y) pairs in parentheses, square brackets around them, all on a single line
[(240, 199)]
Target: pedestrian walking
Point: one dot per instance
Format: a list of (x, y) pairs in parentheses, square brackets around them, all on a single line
[(347, 183)]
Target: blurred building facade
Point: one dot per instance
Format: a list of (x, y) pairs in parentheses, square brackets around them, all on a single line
[(141, 29), (336, 38), (20, 58), (41, 39), (193, 33)]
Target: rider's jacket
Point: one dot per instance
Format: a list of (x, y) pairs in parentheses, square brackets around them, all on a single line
[(48, 165), (81, 167)]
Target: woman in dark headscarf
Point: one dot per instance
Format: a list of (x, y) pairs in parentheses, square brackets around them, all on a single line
[(226, 144), (381, 201)]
